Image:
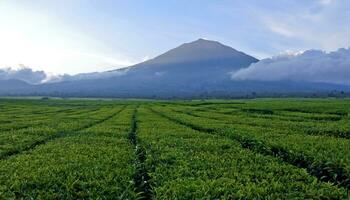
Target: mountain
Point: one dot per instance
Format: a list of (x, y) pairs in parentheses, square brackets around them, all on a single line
[(201, 68), (203, 51), (14, 87), (190, 68), (91, 76), (199, 58)]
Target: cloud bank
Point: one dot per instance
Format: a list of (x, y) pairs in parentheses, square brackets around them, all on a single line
[(38, 77), (311, 66), (24, 74)]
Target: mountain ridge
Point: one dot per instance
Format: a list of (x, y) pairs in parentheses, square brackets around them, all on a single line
[(200, 49), (201, 68)]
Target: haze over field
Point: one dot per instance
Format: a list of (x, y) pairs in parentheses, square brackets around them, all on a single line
[(197, 48)]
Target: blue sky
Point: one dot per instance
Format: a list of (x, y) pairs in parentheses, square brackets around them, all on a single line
[(72, 36)]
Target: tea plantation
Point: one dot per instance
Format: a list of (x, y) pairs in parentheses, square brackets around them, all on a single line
[(141, 149)]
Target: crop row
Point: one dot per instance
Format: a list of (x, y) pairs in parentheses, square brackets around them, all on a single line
[(22, 121), (93, 163), (141, 177), (325, 157), (16, 141), (311, 106), (313, 117), (188, 164), (339, 128)]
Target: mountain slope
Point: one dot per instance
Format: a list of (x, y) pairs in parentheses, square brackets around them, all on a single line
[(197, 59), (201, 51), (198, 69), (14, 87), (187, 69)]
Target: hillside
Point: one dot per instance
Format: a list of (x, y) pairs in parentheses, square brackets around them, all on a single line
[(202, 68)]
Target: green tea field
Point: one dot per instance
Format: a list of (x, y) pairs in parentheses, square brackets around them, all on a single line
[(213, 149)]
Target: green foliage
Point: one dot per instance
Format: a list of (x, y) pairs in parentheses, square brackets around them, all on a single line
[(327, 158), (192, 164), (91, 160), (219, 149)]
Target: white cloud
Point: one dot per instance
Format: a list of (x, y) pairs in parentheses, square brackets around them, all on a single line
[(31, 76), (280, 28), (24, 74), (311, 65), (326, 2), (321, 24)]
